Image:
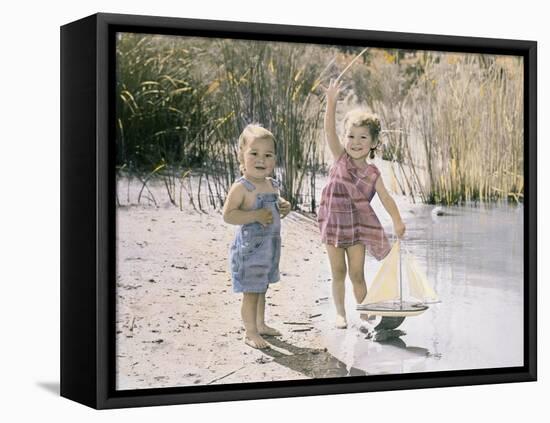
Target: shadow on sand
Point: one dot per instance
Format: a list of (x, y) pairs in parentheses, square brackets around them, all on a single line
[(311, 362), (348, 354)]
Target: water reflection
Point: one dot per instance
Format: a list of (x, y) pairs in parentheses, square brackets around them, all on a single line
[(473, 257), (389, 354)]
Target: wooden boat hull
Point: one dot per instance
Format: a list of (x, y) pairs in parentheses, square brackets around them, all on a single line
[(405, 309)]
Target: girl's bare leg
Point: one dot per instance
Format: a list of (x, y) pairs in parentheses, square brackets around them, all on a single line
[(356, 262), (338, 268), (263, 329), (249, 309)]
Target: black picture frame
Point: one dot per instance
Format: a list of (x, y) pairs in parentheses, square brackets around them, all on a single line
[(88, 211)]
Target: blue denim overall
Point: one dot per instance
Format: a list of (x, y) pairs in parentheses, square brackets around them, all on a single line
[(256, 250)]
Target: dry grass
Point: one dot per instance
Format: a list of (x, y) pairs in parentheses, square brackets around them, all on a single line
[(453, 123)]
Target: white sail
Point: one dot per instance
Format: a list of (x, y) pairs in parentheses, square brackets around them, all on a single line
[(385, 286), (418, 283)]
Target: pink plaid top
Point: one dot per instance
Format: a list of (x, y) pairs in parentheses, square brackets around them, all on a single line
[(345, 215)]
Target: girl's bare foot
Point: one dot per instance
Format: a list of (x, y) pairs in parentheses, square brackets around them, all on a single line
[(341, 322), (256, 341), (265, 330)]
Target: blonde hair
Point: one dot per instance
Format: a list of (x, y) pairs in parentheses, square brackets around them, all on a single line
[(362, 118), (251, 132)]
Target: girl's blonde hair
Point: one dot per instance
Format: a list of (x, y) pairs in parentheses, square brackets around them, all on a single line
[(363, 118), (252, 132)]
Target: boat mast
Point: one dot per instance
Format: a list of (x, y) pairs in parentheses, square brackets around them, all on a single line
[(400, 280)]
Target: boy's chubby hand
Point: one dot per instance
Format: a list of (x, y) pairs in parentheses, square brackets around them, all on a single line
[(284, 208), (264, 216)]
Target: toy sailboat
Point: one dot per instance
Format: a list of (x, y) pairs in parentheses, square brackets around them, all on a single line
[(392, 295)]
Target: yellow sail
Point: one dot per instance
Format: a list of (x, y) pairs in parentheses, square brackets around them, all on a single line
[(418, 282), (385, 286)]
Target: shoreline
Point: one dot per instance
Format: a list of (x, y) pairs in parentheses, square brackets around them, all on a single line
[(178, 321)]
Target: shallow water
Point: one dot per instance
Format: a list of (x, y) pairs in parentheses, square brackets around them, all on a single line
[(473, 257)]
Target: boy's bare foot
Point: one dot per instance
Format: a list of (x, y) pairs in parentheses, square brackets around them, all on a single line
[(341, 322), (256, 341), (268, 330)]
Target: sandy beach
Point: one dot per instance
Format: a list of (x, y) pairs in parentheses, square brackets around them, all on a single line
[(178, 320)]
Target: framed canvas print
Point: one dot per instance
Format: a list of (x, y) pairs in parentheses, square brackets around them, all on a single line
[(259, 211)]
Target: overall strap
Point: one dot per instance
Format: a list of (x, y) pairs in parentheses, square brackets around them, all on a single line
[(274, 183), (248, 185)]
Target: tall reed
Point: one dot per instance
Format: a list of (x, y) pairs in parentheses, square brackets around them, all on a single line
[(274, 84), (182, 103), (160, 115), (454, 122)]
